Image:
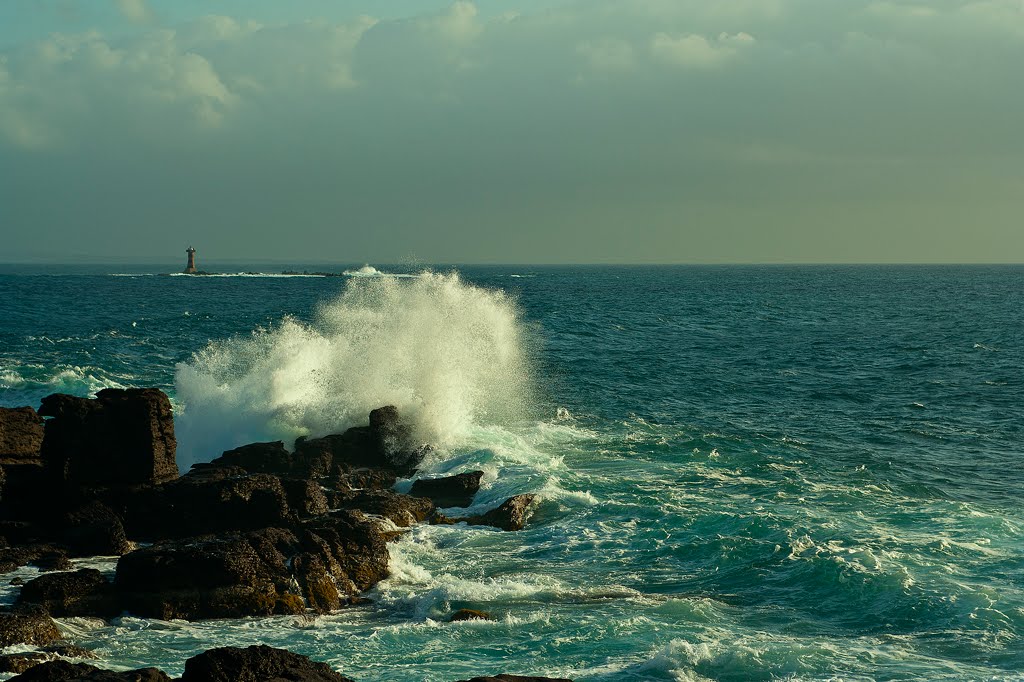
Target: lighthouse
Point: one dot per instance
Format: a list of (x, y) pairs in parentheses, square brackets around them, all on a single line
[(190, 269)]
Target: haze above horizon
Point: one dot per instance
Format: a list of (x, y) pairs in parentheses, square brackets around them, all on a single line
[(512, 131)]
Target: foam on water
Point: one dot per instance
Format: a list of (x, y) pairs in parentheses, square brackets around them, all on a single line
[(449, 355)]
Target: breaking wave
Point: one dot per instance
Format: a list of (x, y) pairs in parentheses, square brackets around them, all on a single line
[(447, 353)]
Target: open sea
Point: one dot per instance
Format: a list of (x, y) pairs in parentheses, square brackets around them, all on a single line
[(747, 473)]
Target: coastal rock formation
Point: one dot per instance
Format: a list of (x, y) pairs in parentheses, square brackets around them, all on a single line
[(27, 625), (256, 664), (45, 557), (21, 433), (469, 614), (63, 671), (78, 593), (385, 444), (123, 437), (450, 491), (511, 515), (402, 510)]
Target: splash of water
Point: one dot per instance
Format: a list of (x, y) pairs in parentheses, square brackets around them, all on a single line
[(448, 354)]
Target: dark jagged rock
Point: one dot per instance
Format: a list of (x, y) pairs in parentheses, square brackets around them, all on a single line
[(327, 561), (208, 577), (25, 483), (256, 664), (450, 491), (516, 678), (63, 671), (123, 437), (80, 593), (94, 529), (19, 663), (306, 498), (511, 515), (402, 510), (43, 556), (469, 614), (68, 650), (27, 625), (273, 458), (385, 444), (21, 433)]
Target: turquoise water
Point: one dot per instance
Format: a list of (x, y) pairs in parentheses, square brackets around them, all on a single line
[(747, 473)]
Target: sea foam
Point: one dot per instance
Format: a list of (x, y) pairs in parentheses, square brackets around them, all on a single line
[(448, 354)]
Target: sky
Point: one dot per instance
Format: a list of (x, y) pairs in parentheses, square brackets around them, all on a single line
[(517, 131)]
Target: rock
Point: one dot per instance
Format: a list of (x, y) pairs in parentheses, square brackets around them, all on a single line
[(19, 663), (25, 483), (63, 671), (511, 515), (21, 434), (402, 510), (354, 550), (469, 614), (305, 497), (207, 501), (16, 581), (43, 556), (385, 444), (94, 529), (80, 593), (27, 625), (273, 458), (256, 664), (450, 491), (231, 576), (123, 437), (516, 678)]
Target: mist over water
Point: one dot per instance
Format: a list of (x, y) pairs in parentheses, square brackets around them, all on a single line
[(448, 354)]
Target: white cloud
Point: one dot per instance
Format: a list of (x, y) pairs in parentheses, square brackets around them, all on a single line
[(136, 11), (696, 51), (608, 55)]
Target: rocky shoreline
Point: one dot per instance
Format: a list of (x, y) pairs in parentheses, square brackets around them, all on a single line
[(258, 531)]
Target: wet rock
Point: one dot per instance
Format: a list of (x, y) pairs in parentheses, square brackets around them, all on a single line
[(354, 550), (21, 433), (80, 593), (209, 577), (450, 491), (385, 444), (516, 678), (256, 664), (511, 515), (208, 501), (122, 437), (63, 671), (68, 650), (25, 484), (45, 557), (27, 625), (469, 614), (402, 510), (19, 663), (305, 497), (94, 529), (273, 458)]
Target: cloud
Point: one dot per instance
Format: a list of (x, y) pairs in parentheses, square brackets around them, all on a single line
[(580, 113), (135, 11), (695, 51)]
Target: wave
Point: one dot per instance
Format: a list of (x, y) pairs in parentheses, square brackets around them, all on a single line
[(370, 271), (26, 384), (448, 354)]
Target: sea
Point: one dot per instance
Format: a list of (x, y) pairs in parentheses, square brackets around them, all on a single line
[(745, 472)]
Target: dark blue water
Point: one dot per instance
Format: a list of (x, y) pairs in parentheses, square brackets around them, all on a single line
[(747, 472)]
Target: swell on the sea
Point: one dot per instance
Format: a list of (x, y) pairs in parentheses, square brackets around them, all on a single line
[(448, 354)]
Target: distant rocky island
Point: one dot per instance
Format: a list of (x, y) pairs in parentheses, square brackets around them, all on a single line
[(259, 531)]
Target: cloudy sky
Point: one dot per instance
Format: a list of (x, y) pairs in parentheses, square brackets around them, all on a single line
[(513, 130)]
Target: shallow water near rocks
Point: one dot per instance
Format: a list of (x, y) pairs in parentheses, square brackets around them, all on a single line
[(746, 473)]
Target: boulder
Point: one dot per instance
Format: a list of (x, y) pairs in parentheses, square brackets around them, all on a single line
[(402, 510), (63, 671), (45, 557), (469, 614), (123, 437), (450, 491), (94, 529), (229, 576), (79, 593), (21, 434), (256, 664), (511, 515), (273, 458), (27, 625), (385, 444), (19, 663)]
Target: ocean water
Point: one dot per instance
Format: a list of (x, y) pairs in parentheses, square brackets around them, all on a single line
[(746, 473)]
